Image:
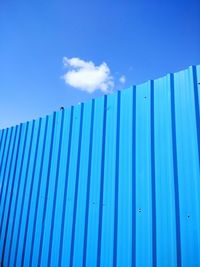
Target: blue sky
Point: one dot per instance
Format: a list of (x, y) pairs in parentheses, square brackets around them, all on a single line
[(129, 40)]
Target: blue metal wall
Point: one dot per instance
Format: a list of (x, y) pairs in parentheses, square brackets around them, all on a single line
[(111, 182)]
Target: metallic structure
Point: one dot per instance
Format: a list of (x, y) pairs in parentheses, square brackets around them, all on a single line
[(111, 182)]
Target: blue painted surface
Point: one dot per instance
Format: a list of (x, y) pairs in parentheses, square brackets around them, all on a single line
[(111, 182)]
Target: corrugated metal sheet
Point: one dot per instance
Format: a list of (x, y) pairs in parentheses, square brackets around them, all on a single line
[(112, 182)]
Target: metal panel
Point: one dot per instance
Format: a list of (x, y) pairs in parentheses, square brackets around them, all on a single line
[(111, 182)]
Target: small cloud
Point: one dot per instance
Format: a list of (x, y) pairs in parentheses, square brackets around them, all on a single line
[(86, 76), (122, 79)]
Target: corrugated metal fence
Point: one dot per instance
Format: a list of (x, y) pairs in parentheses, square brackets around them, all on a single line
[(112, 182)]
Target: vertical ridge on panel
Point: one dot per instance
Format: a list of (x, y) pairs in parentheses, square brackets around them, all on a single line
[(105, 252), (57, 169), (91, 247), (82, 185), (66, 177), (143, 177), (62, 179), (52, 187), (153, 182), (115, 251), (133, 145), (29, 227), (31, 178), (2, 134), (68, 218), (22, 212), (4, 162), (19, 205), (2, 138), (2, 152), (42, 192), (10, 193), (14, 210), (126, 180), (102, 179), (6, 183), (5, 199), (164, 186), (198, 85), (85, 234), (71, 262), (188, 170), (196, 82), (45, 210), (44, 136), (27, 190), (175, 172)]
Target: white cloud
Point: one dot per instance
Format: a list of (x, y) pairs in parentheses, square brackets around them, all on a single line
[(85, 76), (122, 79)]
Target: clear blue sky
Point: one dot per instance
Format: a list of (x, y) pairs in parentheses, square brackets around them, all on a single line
[(140, 39)]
